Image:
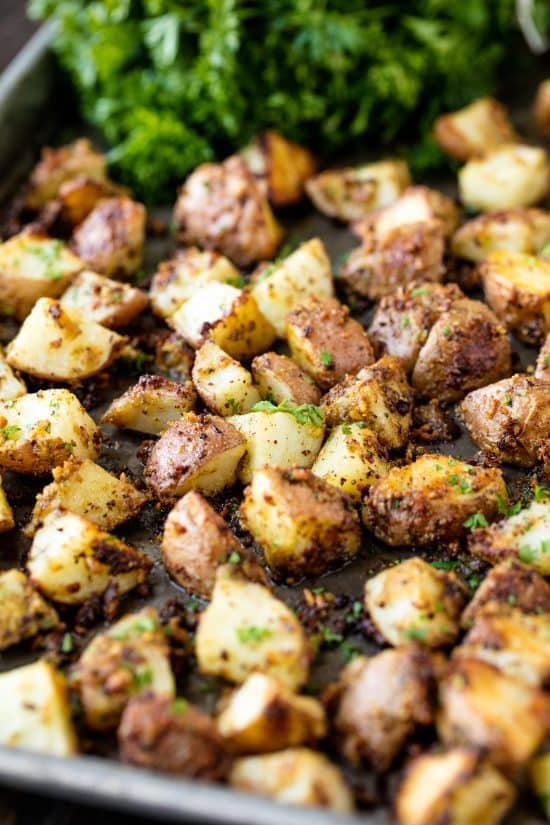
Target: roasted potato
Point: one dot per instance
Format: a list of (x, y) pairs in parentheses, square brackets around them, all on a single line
[(74, 201), (326, 342), (373, 725), (11, 386), (33, 266), (109, 303), (413, 601), (539, 774), (542, 369), (429, 500), (350, 193), (23, 611), (510, 419), (475, 130), (351, 459), (59, 165), (458, 786), (296, 776), (221, 206), (517, 230), (173, 357), (7, 520), (379, 396), (280, 167), (304, 525), (508, 177), (199, 452), (246, 629), (151, 405), (129, 658), (225, 386), (417, 204), (59, 344), (110, 240), (542, 108), (35, 713), (195, 541), (263, 716), (279, 379), (509, 583), (285, 284), (40, 430)]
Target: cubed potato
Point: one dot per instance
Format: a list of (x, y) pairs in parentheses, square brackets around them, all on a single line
[(296, 776), (7, 520), (539, 774), (351, 459), (280, 166), (542, 108), (225, 386), (509, 583), (172, 736), (510, 419), (246, 629), (200, 452), (304, 525), (71, 560), (263, 716), (517, 230), (279, 437), (35, 713), (41, 430), (151, 405), (11, 386), (110, 240), (414, 601), (349, 194), (458, 787), (542, 369), (485, 708), (85, 488), (373, 724), (326, 342), (524, 536), (517, 288), (177, 279), (475, 130), (429, 500), (417, 204), (173, 357), (75, 200), (285, 284), (195, 541), (129, 658), (226, 315), (58, 344), (280, 379), (109, 303), (379, 396), (509, 177), (59, 165), (23, 611), (33, 266)]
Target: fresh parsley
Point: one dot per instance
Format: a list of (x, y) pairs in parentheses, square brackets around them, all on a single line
[(252, 634), (475, 521), (303, 413)]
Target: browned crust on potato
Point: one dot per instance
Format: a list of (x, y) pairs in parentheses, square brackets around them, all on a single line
[(301, 387), (110, 240)]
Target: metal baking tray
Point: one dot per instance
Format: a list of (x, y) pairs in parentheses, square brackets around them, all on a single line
[(31, 115)]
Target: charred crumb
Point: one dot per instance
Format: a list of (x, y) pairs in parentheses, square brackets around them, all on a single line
[(433, 423)]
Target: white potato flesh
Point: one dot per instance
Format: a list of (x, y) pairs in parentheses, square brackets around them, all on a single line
[(417, 204), (10, 385), (110, 303), (509, 177), (351, 459), (516, 230), (7, 521), (23, 611), (225, 386), (151, 405), (474, 130)]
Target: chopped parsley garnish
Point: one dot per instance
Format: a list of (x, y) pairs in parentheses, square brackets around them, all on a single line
[(326, 359), (303, 413), (67, 643), (234, 557), (475, 521), (406, 322), (541, 493), (349, 653), (421, 290), (416, 634), (238, 281), (444, 564), (506, 509), (508, 400), (446, 331), (250, 634), (142, 678), (180, 706), (11, 432)]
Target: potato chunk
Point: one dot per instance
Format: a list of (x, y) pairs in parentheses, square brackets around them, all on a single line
[(71, 560), (485, 708), (475, 130), (246, 629), (106, 302), (263, 716), (11, 386), (285, 284), (40, 430), (326, 342), (279, 379), (542, 369), (23, 611), (517, 288), (74, 201), (509, 583), (129, 658), (296, 776), (374, 725), (59, 165), (350, 193), (196, 540), (173, 357), (517, 230), (7, 520), (151, 405), (221, 206), (379, 396), (417, 204), (177, 279), (539, 772), (62, 345), (34, 710), (33, 266), (509, 177), (110, 240), (351, 459), (510, 419), (542, 108), (225, 386), (413, 601), (280, 166), (303, 524), (200, 452), (429, 500), (457, 787)]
